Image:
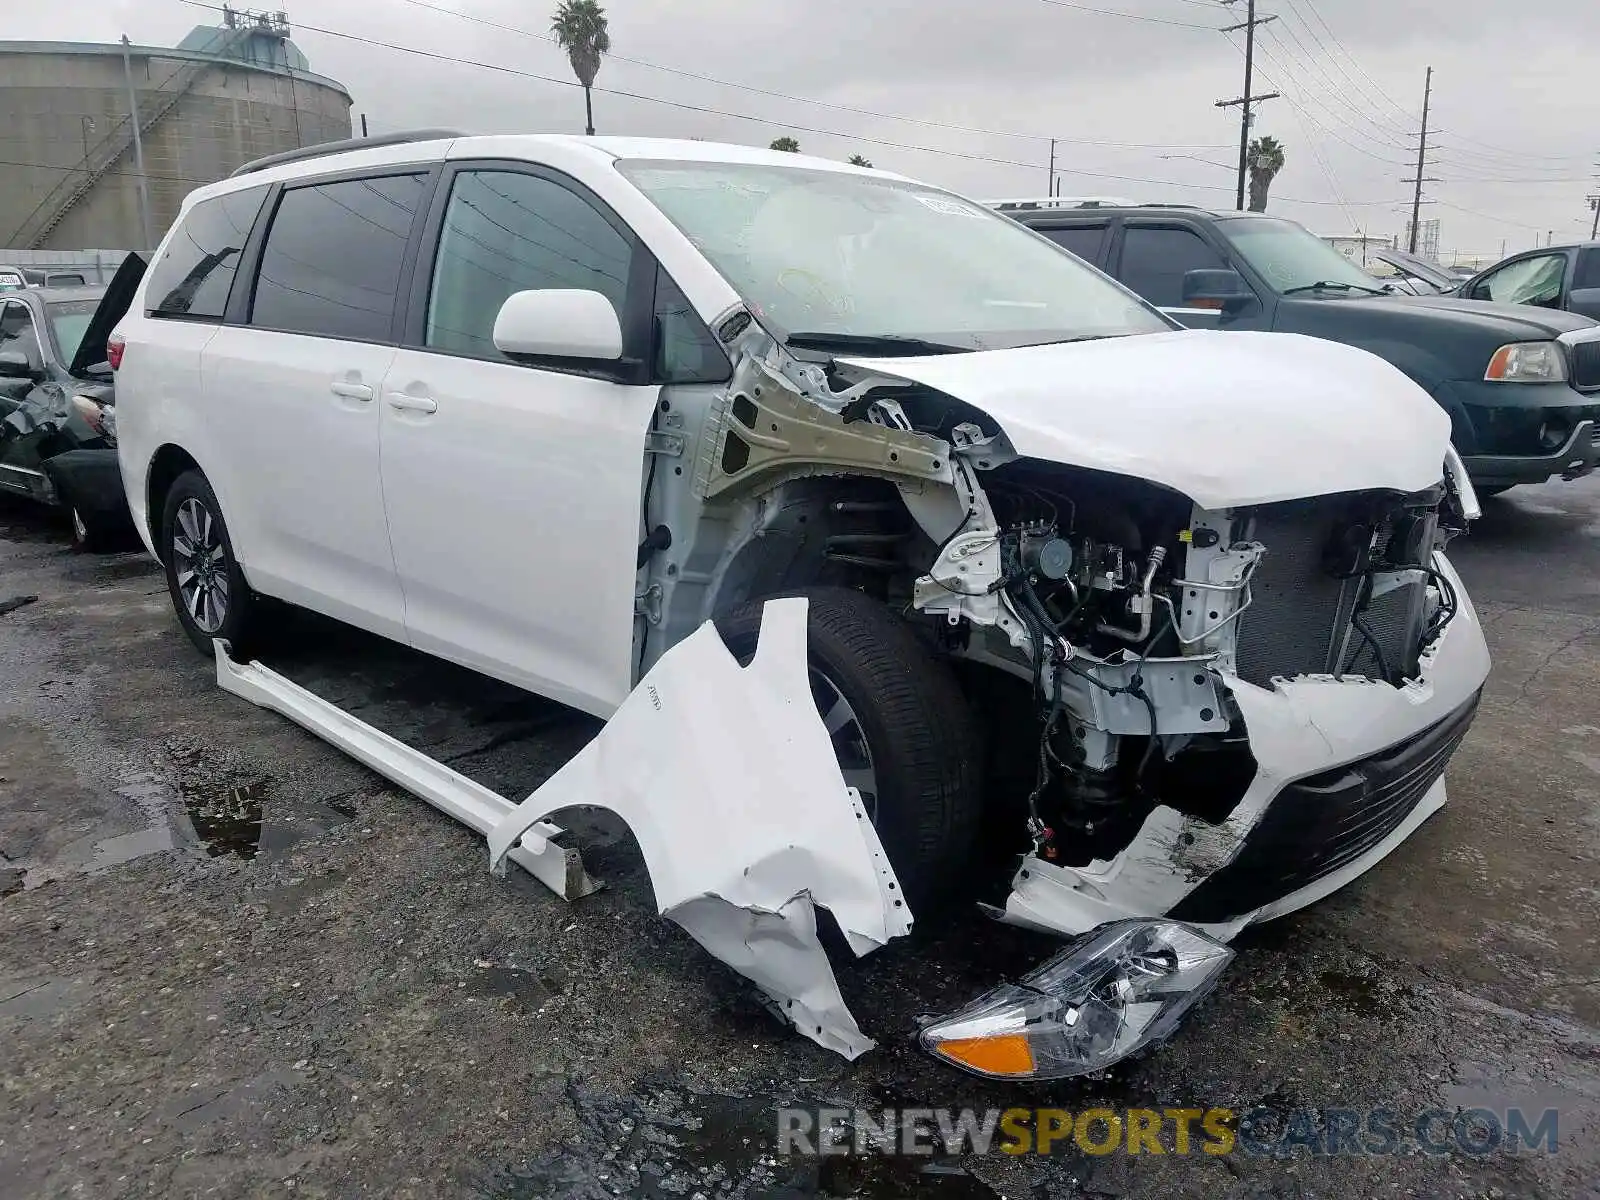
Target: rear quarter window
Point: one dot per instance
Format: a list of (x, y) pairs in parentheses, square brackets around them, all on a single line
[(193, 277)]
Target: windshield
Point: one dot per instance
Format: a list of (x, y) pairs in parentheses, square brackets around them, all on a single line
[(1290, 256), (69, 321), (825, 252)]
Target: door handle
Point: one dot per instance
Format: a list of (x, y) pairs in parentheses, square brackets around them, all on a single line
[(351, 391), (405, 402)]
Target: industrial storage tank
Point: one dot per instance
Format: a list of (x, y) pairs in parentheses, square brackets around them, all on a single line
[(68, 158)]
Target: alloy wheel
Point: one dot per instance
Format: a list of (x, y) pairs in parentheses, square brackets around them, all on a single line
[(201, 563), (849, 740)]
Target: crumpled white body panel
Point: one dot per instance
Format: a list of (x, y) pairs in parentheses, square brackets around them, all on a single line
[(1227, 419), (729, 782)]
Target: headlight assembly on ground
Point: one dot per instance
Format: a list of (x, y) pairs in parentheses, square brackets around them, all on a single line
[(1123, 986)]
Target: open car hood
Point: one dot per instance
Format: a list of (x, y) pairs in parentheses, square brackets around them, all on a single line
[(113, 307), (1226, 419)]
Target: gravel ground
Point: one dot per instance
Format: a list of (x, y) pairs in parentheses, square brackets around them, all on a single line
[(233, 962)]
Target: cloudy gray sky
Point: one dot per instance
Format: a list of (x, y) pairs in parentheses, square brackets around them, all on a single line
[(967, 94)]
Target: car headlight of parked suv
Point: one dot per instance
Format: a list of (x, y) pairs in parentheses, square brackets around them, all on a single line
[(1527, 362)]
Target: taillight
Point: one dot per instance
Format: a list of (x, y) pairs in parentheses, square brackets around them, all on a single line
[(114, 345), (89, 409)]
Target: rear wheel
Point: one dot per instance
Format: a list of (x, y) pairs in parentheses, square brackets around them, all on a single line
[(901, 729), (207, 586)]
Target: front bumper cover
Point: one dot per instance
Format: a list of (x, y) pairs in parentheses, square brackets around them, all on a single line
[(1299, 730), (1578, 455)]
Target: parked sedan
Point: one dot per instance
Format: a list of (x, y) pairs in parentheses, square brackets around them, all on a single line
[(57, 414), (1565, 277)]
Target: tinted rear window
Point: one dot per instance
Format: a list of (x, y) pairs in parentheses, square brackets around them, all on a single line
[(193, 277), (1588, 273), (332, 260), (1082, 240)]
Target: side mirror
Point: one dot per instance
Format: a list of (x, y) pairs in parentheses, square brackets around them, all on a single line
[(1218, 288), (570, 323), (15, 365)]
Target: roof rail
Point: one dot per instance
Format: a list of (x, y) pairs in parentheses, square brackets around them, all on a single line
[(343, 145), (1064, 202)]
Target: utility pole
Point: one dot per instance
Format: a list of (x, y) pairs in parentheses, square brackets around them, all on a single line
[(1051, 190), (1422, 150), (1246, 100), (138, 150), (1594, 203)]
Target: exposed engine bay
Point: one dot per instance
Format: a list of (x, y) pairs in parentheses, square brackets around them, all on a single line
[(1139, 600)]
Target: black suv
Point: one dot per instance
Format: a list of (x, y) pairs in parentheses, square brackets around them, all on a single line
[(1521, 384)]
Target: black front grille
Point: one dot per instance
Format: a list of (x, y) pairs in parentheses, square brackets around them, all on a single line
[(1586, 365), (1323, 822)]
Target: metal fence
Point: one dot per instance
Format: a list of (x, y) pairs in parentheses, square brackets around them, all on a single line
[(96, 266)]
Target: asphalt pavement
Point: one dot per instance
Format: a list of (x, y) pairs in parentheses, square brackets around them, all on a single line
[(233, 962)]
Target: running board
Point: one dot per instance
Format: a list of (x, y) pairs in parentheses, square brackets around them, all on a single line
[(560, 868)]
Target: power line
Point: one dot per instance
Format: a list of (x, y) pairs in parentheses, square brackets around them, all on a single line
[(849, 108), (1407, 117), (1472, 212), (1108, 12), (1386, 133), (572, 83)]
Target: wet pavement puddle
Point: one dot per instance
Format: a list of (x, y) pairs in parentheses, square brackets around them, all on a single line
[(670, 1142), (238, 820)]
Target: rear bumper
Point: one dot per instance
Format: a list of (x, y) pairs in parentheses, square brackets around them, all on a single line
[(1346, 771), (1578, 455), (91, 481)]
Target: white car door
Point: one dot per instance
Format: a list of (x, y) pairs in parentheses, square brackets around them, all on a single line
[(295, 393), (513, 491)]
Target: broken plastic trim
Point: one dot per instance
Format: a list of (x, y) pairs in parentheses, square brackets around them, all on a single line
[(728, 780), (557, 867)]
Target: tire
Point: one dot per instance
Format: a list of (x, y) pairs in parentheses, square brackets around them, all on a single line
[(214, 601), (922, 747)]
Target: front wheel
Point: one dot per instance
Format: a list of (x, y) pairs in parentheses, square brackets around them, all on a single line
[(901, 728), (207, 586)]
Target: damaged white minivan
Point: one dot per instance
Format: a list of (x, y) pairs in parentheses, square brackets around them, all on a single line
[(1166, 612)]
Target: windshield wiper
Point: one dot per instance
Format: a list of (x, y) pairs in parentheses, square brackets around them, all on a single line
[(1328, 284), (866, 343)]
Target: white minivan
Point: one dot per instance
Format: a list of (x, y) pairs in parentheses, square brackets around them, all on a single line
[(1166, 612)]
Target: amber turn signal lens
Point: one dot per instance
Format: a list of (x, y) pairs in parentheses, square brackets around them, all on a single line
[(1004, 1054)]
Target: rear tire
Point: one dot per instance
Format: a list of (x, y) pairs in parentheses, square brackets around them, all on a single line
[(923, 753), (205, 581)]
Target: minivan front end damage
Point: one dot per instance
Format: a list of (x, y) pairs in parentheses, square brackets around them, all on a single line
[(1208, 617)]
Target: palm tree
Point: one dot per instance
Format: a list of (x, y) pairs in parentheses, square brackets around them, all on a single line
[(857, 161), (1266, 160), (581, 30), (785, 143)]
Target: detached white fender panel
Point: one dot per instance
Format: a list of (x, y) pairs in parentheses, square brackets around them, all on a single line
[(729, 782)]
